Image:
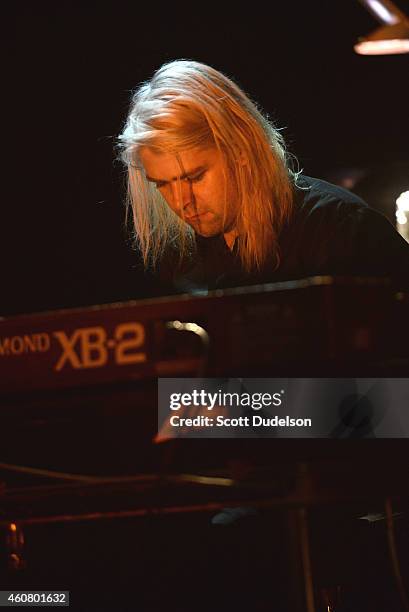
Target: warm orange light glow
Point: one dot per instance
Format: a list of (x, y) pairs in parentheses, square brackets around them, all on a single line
[(386, 40), (382, 47), (13, 527)]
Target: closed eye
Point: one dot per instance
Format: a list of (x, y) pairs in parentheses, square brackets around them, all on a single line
[(196, 177)]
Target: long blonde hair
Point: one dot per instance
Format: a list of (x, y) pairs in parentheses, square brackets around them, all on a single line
[(187, 104)]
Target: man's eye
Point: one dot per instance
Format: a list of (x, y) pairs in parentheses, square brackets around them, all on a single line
[(196, 178), (159, 185)]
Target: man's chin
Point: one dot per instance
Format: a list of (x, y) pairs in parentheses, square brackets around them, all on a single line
[(206, 232)]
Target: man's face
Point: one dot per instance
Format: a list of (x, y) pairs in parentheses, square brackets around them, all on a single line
[(193, 185)]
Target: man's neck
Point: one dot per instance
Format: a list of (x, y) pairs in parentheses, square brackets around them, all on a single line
[(230, 238)]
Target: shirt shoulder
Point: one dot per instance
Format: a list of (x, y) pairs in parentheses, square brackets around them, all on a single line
[(333, 231), (312, 195)]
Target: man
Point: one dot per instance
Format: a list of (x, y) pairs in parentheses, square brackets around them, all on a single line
[(215, 201)]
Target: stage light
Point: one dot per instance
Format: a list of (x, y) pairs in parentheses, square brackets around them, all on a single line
[(392, 37), (402, 207)]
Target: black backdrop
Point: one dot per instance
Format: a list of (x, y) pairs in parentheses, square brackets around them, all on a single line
[(69, 71)]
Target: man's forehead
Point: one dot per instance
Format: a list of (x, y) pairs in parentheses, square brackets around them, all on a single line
[(162, 166)]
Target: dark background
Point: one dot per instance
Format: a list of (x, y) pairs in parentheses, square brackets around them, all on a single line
[(69, 71)]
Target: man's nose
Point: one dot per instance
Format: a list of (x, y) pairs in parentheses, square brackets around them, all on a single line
[(182, 194)]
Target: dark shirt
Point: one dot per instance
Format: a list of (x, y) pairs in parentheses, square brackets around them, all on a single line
[(331, 231)]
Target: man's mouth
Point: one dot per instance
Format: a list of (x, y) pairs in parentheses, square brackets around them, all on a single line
[(193, 218)]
